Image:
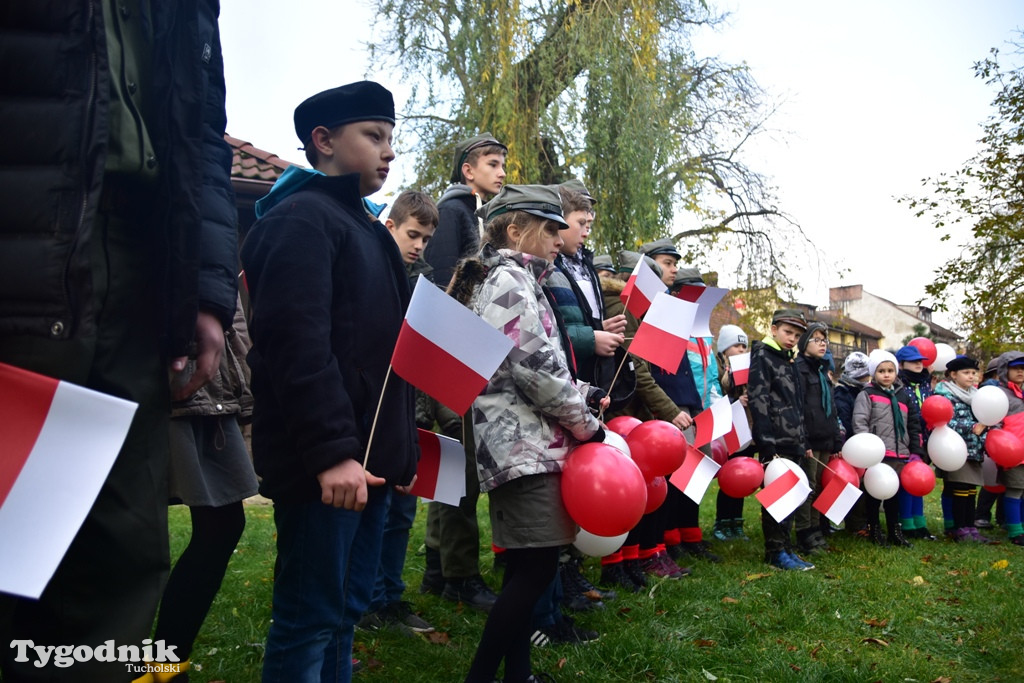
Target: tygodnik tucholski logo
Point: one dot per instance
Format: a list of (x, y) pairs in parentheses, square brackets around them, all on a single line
[(150, 657)]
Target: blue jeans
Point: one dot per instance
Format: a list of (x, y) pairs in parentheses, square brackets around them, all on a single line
[(389, 586), (327, 564)]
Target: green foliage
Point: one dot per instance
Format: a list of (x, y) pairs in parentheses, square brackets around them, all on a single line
[(919, 330), (937, 611), (987, 195), (609, 91)]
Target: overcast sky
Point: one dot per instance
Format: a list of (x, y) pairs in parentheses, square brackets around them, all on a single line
[(876, 95)]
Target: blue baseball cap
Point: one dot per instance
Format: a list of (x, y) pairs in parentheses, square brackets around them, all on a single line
[(909, 354)]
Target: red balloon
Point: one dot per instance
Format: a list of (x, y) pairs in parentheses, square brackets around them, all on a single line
[(917, 478), (719, 451), (936, 410), (927, 348), (657, 492), (604, 492), (740, 477), (1005, 449), (837, 467), (657, 447), (623, 424)]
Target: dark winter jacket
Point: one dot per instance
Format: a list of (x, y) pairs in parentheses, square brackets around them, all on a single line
[(845, 394), (918, 386), (55, 115), (457, 235), (776, 402), (872, 412), (821, 419), (328, 292)]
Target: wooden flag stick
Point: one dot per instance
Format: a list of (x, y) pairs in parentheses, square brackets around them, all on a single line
[(373, 427)]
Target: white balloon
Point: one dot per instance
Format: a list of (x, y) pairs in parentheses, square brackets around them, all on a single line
[(778, 466), (864, 450), (947, 449), (990, 405), (943, 354), (881, 481), (616, 441), (598, 546)]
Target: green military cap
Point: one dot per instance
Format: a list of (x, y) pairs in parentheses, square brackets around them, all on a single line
[(687, 276), (659, 247), (466, 146), (538, 200), (604, 262), (578, 186), (628, 259), (792, 316)]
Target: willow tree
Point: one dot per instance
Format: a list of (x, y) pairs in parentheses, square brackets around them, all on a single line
[(984, 284), (606, 90)]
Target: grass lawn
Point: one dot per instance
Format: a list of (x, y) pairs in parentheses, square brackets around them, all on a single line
[(937, 612)]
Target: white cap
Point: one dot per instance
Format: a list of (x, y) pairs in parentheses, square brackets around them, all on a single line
[(731, 335), (877, 357)]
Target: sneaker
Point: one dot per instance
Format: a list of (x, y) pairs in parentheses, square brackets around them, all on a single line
[(540, 638), (983, 524), (723, 530), (357, 666), (636, 573), (787, 561), (472, 592), (540, 677), (977, 537), (737, 530), (616, 575), (373, 621), (566, 631), (924, 534), (1017, 540), (401, 613), (662, 566), (800, 561), (699, 550)]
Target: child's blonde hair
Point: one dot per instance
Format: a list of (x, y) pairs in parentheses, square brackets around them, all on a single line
[(496, 230)]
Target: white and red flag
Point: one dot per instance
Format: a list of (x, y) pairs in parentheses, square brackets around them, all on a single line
[(740, 367), (445, 349), (713, 422), (706, 299), (664, 332), (641, 289), (695, 474), (58, 442), (739, 436), (837, 499), (784, 495), (441, 472)]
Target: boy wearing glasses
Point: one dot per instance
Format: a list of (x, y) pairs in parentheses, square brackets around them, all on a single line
[(821, 423)]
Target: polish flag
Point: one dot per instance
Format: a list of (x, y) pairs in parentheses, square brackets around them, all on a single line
[(837, 499), (664, 332), (641, 289), (58, 442), (441, 473), (739, 436), (445, 349), (713, 422), (784, 495), (695, 474), (706, 299), (740, 366)]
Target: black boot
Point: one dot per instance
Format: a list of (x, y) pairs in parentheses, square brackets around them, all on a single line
[(875, 534), (896, 537)]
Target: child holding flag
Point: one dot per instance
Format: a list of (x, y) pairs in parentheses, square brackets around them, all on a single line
[(526, 419), (732, 341)]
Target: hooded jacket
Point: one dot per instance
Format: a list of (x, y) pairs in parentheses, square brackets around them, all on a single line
[(457, 235), (530, 414), (821, 416), (328, 292)]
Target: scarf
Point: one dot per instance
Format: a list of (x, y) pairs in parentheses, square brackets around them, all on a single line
[(899, 427), (965, 395), (826, 387)]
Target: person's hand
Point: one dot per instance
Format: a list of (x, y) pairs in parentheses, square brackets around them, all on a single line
[(209, 347), (978, 429), (407, 488), (605, 343), (743, 400), (344, 485), (682, 420), (615, 324)]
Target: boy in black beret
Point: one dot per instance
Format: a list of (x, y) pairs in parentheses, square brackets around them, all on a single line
[(328, 291)]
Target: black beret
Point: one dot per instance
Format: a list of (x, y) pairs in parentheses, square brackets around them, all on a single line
[(360, 101), (962, 363)]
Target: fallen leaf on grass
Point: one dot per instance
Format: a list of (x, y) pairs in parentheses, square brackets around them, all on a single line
[(1000, 564), (814, 652), (875, 641), (708, 675), (730, 600), (917, 581), (956, 572), (561, 663), (437, 638), (943, 679), (880, 623), (753, 577), (593, 595), (704, 642), (794, 667), (926, 559), (983, 574)]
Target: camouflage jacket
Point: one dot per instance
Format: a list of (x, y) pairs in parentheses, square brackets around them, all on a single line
[(530, 413), (776, 403)]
